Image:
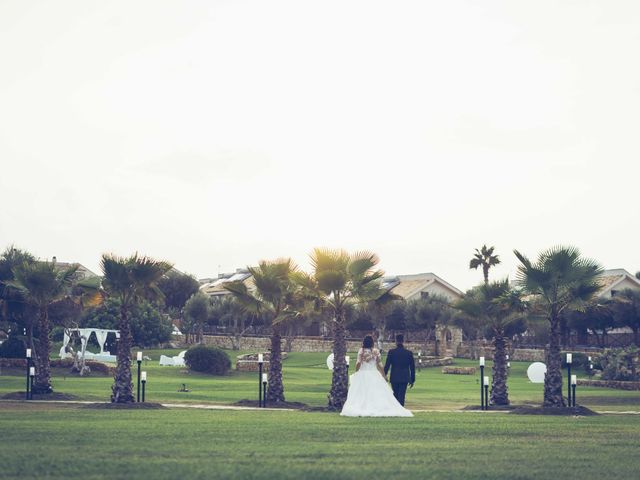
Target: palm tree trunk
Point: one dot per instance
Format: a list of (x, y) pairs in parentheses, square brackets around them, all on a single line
[(339, 379), (42, 381), (122, 389), (485, 272), (553, 378), (499, 388), (275, 392)]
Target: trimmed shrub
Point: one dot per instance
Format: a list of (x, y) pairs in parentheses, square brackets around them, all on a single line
[(202, 358)]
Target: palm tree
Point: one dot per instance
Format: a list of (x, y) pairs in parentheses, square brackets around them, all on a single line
[(339, 280), (562, 279), (274, 299), (486, 259), (41, 284), (12, 306), (130, 280), (497, 306)]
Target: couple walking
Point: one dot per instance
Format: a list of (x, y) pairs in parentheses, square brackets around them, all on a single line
[(369, 394)]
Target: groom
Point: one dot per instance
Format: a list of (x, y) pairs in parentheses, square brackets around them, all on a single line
[(403, 369)]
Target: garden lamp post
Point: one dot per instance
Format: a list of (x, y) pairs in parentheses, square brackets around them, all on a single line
[(32, 375), (481, 383), (139, 360), (486, 393), (569, 361), (28, 355), (260, 362), (574, 381), (144, 383), (347, 359), (265, 380)]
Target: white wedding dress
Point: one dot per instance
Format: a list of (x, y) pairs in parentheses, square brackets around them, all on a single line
[(369, 394)]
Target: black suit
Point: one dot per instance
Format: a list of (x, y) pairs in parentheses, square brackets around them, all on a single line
[(403, 371)]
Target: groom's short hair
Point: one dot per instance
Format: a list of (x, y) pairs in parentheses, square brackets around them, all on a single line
[(400, 338)]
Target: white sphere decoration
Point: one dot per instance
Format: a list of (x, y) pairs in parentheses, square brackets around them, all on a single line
[(536, 372), (330, 362)]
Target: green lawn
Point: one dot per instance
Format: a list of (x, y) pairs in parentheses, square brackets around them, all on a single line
[(68, 442), (39, 440), (307, 380)]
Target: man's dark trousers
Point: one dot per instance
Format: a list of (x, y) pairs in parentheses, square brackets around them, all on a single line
[(399, 391)]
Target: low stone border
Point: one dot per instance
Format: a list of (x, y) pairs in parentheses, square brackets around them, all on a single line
[(459, 370), (249, 362), (434, 362), (617, 384)]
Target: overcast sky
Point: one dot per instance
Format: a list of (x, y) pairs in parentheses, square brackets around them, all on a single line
[(217, 133)]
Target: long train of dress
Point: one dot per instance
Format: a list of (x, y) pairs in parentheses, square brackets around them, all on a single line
[(370, 395)]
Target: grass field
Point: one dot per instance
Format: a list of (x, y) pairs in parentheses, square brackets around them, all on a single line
[(49, 441), (40, 440), (307, 380)]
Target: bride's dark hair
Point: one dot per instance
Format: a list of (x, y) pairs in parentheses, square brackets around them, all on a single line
[(367, 342)]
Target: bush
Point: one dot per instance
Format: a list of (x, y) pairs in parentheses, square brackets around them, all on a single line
[(208, 360), (621, 364), (13, 347)]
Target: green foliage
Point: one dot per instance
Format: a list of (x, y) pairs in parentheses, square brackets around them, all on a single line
[(561, 277), (148, 325), (426, 313), (494, 306), (202, 358), (621, 364), (486, 259), (13, 308), (177, 289), (12, 347)]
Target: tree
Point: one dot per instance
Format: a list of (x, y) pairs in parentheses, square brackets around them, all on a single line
[(41, 284), (497, 306), (562, 279), (340, 279), (627, 311), (177, 288), (596, 317), (427, 313), (275, 299), (486, 259), (227, 311), (14, 315), (196, 312), (130, 280)]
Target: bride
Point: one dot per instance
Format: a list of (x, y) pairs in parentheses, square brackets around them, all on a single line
[(369, 394)]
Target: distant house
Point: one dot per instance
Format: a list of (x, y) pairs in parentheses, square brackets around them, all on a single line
[(421, 285), (615, 281), (215, 288), (81, 273)]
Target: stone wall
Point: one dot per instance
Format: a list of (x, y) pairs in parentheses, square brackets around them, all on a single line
[(474, 351), (610, 384), (306, 344)]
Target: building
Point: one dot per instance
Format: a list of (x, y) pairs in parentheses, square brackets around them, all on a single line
[(615, 281), (421, 285), (82, 272), (215, 288)]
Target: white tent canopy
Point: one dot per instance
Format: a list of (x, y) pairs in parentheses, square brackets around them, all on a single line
[(84, 334)]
